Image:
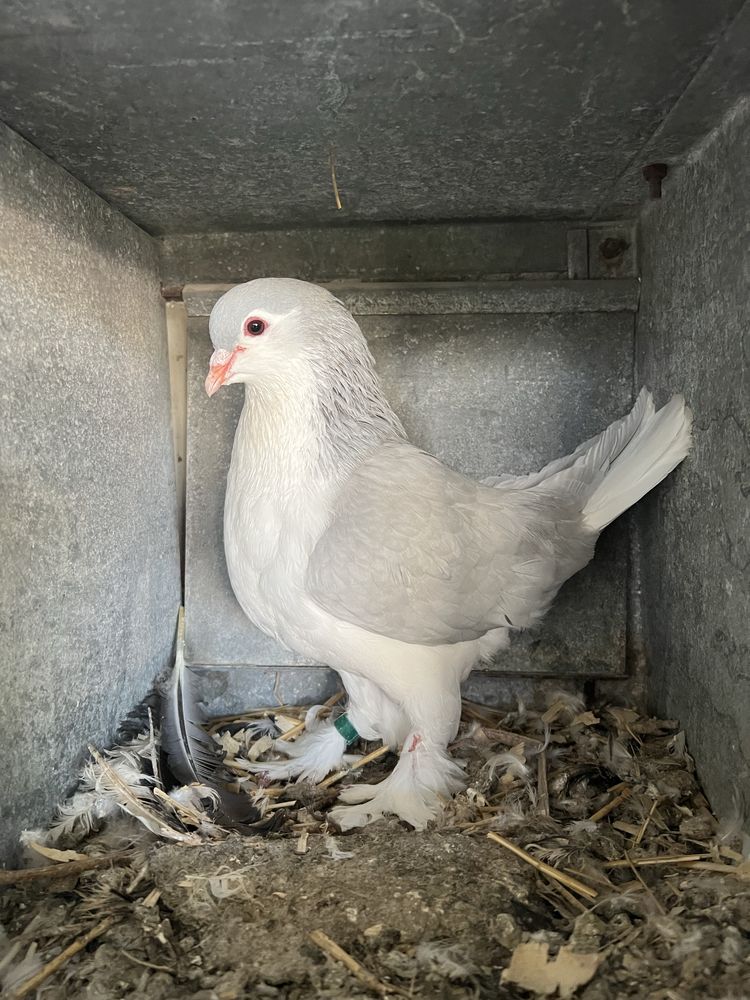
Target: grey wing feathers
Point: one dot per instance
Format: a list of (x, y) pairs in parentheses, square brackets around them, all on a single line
[(421, 554)]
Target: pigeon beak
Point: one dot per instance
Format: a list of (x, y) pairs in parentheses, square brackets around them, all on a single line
[(219, 369)]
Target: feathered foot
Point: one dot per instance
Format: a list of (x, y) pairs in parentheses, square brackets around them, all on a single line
[(310, 757), (414, 791)]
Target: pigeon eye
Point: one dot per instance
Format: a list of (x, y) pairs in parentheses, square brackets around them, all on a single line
[(254, 327)]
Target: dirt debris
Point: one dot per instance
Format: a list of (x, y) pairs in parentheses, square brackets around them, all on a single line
[(606, 860)]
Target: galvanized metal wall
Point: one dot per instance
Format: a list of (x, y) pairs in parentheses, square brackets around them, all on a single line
[(694, 337), (89, 584)]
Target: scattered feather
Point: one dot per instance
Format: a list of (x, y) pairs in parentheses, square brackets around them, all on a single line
[(510, 765), (512, 818), (189, 752), (579, 826), (265, 726), (79, 815), (226, 886), (195, 796), (334, 852), (15, 971), (445, 959), (664, 814), (133, 799), (556, 855), (562, 705)]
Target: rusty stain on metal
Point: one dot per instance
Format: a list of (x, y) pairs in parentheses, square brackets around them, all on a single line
[(172, 293), (612, 249)]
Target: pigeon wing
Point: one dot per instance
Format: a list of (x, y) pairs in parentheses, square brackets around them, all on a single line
[(420, 553)]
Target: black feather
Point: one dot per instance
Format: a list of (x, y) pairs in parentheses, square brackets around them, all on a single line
[(188, 753)]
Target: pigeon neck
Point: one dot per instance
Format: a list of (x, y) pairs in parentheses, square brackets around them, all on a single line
[(317, 427), (352, 416)]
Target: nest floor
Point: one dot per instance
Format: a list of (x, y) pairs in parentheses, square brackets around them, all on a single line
[(582, 860)]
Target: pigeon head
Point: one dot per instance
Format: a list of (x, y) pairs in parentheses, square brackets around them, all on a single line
[(268, 328)]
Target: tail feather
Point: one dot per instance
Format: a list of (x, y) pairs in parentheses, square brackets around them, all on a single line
[(587, 463), (612, 471), (640, 451)]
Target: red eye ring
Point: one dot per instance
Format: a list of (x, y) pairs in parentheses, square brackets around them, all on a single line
[(253, 327)]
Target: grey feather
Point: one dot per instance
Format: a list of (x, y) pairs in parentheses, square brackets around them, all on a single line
[(188, 752), (433, 557)]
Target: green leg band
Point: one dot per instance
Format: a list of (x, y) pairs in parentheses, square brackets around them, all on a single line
[(346, 729)]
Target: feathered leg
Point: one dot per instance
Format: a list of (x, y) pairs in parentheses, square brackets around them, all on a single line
[(319, 750), (373, 714), (322, 749), (425, 774)]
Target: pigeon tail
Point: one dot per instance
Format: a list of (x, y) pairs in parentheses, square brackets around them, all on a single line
[(640, 457)]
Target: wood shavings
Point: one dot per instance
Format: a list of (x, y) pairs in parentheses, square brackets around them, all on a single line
[(586, 719), (532, 969), (152, 899), (290, 728), (542, 787), (53, 854), (321, 939), (610, 806), (362, 762), (662, 884), (630, 828), (228, 744), (677, 859), (548, 870), (56, 963), (624, 718), (62, 870), (259, 747)]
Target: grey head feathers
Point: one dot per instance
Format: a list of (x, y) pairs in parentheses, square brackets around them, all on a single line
[(314, 357), (276, 296)]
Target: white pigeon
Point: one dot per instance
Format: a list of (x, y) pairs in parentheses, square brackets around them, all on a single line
[(350, 545)]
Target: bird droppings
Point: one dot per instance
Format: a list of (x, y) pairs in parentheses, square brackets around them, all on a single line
[(625, 885)]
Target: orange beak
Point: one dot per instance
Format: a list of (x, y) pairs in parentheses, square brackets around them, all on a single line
[(219, 369)]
